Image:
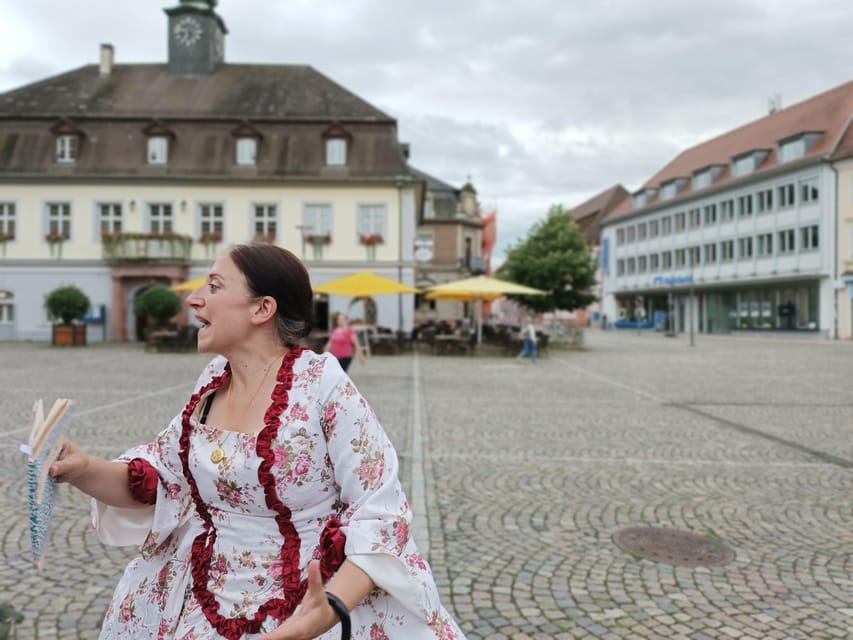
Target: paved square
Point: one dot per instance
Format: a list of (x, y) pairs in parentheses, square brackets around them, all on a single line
[(521, 474)]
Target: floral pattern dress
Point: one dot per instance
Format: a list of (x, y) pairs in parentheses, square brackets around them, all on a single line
[(237, 517)]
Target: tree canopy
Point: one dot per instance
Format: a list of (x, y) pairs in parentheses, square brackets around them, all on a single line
[(555, 258)]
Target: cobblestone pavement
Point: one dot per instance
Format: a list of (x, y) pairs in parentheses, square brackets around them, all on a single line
[(520, 476)]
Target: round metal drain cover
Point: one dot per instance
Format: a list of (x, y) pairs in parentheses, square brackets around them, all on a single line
[(673, 546)]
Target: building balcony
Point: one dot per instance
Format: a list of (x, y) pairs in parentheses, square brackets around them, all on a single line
[(150, 247)]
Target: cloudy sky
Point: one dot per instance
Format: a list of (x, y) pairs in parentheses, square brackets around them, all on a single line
[(539, 101)]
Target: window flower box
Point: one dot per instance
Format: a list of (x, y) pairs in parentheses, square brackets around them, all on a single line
[(318, 238), (371, 239)]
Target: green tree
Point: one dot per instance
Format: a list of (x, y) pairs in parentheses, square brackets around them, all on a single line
[(158, 302), (66, 304), (555, 258)]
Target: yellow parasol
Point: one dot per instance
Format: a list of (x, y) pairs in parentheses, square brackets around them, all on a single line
[(363, 284), (479, 288), (189, 285)]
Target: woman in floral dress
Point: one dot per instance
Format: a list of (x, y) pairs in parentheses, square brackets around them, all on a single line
[(273, 487)]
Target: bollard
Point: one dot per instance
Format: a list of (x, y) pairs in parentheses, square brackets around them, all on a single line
[(9, 617)]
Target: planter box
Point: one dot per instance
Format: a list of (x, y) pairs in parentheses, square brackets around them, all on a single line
[(69, 334)]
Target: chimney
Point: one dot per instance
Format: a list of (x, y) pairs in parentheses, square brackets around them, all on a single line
[(107, 59)]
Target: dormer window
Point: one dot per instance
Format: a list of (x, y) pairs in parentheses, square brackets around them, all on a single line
[(641, 198), (336, 152), (670, 189), (746, 163), (248, 140), (158, 150), (158, 138), (68, 139), (247, 152), (796, 147), (337, 140), (66, 149)]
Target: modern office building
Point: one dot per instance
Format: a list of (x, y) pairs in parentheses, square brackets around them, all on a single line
[(741, 232)]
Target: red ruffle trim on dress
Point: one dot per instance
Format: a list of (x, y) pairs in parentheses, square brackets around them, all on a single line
[(332, 540), (142, 480)]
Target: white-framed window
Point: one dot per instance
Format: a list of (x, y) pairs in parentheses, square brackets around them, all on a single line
[(743, 165), (317, 219), (59, 219), (642, 231), (620, 267), (372, 219), (786, 195), (710, 214), (668, 191), (8, 220), (66, 148), (632, 265), (160, 217), (666, 226), (680, 221), (727, 250), (265, 222), (727, 210), (765, 245), (158, 150), (744, 248), (642, 264), (7, 311), (809, 191), (710, 252), (654, 228), (792, 150), (694, 256), (336, 152), (694, 218), (809, 238), (211, 219), (620, 236), (701, 180), (744, 206), (631, 234), (765, 200), (680, 258), (654, 262), (109, 217), (666, 260), (787, 241), (247, 151)]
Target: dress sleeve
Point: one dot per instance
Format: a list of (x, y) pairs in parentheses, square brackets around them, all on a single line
[(377, 517), (151, 526)]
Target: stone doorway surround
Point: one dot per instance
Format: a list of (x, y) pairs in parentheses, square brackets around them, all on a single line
[(127, 278)]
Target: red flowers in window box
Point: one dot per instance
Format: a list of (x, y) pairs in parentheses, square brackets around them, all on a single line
[(53, 237), (371, 239), (5, 236), (318, 238), (210, 237)]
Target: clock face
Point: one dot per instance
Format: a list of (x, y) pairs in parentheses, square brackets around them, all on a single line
[(187, 31)]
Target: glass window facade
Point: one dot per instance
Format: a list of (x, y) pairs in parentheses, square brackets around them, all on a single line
[(792, 307)]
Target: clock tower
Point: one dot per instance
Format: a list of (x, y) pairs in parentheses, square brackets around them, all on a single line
[(196, 38)]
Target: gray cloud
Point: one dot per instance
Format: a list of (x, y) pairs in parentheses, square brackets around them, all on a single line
[(540, 101)]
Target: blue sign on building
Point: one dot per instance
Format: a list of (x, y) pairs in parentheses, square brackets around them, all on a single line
[(605, 256), (671, 281)]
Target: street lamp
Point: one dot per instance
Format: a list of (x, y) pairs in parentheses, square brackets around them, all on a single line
[(400, 181)]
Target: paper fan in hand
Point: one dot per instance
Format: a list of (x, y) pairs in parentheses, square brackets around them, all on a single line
[(47, 435)]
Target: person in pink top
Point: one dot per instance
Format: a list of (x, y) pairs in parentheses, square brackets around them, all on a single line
[(343, 343)]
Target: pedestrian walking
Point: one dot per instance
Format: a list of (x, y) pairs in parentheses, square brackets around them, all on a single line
[(343, 343), (528, 341), (270, 507)]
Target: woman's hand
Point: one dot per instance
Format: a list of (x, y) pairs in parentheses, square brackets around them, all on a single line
[(72, 463), (315, 615)]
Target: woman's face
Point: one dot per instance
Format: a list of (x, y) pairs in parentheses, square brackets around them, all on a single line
[(342, 320), (223, 306)]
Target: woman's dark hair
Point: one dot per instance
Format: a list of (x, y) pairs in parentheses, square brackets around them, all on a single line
[(273, 271)]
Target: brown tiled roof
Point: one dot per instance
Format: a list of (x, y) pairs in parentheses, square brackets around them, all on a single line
[(288, 108), (252, 91), (589, 214), (827, 112)]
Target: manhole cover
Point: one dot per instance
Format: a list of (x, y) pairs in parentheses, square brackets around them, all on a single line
[(673, 546)]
